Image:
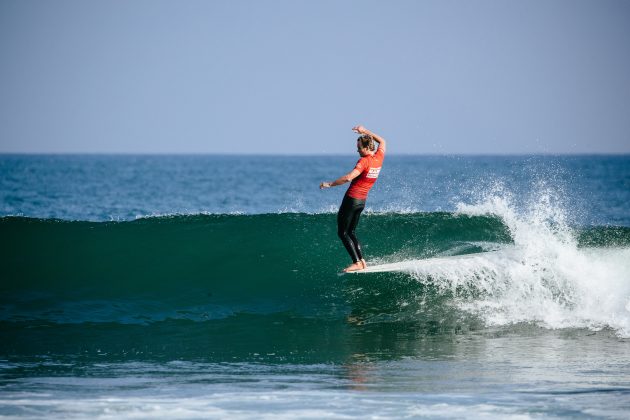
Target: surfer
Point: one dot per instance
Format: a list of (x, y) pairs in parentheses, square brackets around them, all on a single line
[(362, 178)]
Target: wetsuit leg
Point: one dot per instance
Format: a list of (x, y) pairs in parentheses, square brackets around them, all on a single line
[(347, 220), (353, 225)]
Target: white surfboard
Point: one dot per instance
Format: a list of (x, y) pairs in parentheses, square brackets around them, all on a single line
[(415, 265)]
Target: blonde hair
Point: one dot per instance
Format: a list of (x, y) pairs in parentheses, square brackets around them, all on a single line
[(367, 142)]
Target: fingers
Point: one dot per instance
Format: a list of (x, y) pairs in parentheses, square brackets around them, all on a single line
[(324, 185)]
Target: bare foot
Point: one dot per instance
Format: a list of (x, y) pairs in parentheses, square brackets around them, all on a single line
[(354, 267), (363, 263)]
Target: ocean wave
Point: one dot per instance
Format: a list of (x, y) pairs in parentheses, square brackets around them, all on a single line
[(504, 267)]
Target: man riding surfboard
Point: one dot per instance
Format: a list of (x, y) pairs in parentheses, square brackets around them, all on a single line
[(362, 178)]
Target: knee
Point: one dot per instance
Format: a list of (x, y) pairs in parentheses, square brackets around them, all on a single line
[(342, 234)]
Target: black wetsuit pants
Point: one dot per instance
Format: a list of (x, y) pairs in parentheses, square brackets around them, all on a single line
[(347, 220)]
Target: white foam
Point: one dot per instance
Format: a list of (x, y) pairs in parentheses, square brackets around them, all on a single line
[(543, 278), (260, 405)]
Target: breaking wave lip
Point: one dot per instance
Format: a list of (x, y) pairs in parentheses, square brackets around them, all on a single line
[(544, 277)]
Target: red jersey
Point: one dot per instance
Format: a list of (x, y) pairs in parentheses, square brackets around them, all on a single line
[(370, 167)]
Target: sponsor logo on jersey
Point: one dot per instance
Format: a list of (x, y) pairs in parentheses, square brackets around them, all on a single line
[(373, 173)]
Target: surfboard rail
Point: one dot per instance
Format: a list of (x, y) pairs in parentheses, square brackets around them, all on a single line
[(413, 265)]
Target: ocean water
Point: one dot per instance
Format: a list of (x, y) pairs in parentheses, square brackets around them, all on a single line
[(209, 287)]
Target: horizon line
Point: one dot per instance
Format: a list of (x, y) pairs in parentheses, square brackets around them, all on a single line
[(263, 154)]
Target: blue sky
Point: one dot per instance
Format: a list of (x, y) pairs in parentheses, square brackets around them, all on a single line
[(293, 77)]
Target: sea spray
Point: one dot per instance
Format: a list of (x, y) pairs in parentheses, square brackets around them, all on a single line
[(545, 277)]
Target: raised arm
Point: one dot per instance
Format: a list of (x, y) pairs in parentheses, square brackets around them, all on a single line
[(382, 144)]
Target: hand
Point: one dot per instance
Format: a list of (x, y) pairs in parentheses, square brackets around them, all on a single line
[(324, 185), (361, 130)]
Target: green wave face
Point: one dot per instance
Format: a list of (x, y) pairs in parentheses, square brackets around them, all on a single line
[(228, 256), (233, 287)]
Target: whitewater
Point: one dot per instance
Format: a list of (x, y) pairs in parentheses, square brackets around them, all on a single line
[(543, 277)]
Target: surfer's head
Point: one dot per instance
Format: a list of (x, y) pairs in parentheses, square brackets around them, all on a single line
[(365, 145)]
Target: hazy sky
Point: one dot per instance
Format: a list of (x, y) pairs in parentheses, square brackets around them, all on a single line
[(294, 76)]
